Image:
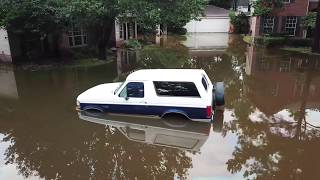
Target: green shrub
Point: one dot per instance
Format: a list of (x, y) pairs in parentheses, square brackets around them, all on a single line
[(84, 52), (269, 41), (240, 22), (177, 30), (248, 39), (276, 34), (274, 41), (299, 42), (132, 43)]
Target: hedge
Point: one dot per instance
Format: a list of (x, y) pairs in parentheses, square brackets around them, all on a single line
[(275, 41)]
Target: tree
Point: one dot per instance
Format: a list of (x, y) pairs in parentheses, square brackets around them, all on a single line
[(316, 38), (222, 3), (96, 14), (265, 7), (46, 16), (31, 16), (101, 14), (37, 17)]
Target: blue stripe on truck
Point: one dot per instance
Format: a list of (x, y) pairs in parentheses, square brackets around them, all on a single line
[(191, 112)]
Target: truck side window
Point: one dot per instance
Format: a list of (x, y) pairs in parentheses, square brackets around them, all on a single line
[(204, 83), (171, 88), (133, 89)]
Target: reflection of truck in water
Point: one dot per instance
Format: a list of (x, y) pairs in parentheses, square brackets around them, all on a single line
[(176, 133)]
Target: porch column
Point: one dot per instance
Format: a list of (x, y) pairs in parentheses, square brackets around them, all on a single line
[(135, 30), (127, 30), (117, 32), (158, 30), (158, 34), (165, 30)]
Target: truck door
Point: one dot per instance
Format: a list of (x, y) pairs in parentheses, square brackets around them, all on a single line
[(132, 99)]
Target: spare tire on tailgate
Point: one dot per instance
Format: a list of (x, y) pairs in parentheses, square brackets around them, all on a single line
[(218, 96)]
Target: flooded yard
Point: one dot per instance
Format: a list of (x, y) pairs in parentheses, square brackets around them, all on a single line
[(270, 128)]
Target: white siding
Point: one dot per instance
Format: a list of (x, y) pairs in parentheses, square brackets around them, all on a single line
[(5, 54), (206, 40)]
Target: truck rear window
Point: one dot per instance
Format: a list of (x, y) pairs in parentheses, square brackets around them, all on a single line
[(170, 88)]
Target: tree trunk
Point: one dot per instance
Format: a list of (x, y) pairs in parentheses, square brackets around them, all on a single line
[(56, 45), (106, 30), (316, 36), (24, 55), (235, 5)]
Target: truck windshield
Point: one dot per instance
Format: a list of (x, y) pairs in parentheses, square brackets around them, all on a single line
[(117, 89)]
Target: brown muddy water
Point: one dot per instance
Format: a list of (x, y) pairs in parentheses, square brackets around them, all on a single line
[(270, 127)]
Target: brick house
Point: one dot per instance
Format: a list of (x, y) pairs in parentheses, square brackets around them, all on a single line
[(285, 20), (13, 49), (77, 36)]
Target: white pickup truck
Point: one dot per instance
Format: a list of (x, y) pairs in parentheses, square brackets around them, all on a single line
[(157, 92)]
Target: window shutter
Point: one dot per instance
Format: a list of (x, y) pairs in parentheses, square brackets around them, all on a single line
[(283, 23), (261, 25), (275, 26), (298, 26)]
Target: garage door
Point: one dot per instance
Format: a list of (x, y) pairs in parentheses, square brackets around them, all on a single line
[(220, 24)]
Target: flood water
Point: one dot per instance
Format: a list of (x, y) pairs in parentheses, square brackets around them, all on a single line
[(270, 127)]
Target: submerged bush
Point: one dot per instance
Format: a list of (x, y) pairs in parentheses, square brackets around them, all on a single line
[(299, 42), (240, 22), (132, 43), (274, 41), (177, 30), (269, 41)]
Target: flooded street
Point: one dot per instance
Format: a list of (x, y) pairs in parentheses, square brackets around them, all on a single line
[(270, 127)]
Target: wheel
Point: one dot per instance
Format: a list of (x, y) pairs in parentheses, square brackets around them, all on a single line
[(218, 95)]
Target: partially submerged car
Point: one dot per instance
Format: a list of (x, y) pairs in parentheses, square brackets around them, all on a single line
[(159, 93)]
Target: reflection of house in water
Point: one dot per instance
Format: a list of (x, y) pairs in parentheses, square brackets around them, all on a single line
[(206, 46), (278, 82), (181, 134), (8, 86), (126, 61)]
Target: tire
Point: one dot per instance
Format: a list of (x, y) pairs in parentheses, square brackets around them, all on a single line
[(218, 95)]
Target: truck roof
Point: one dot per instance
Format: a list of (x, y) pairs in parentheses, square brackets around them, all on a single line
[(167, 75)]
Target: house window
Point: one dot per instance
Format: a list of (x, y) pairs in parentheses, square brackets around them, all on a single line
[(127, 31), (131, 30), (291, 25), (77, 36), (121, 30), (268, 24)]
